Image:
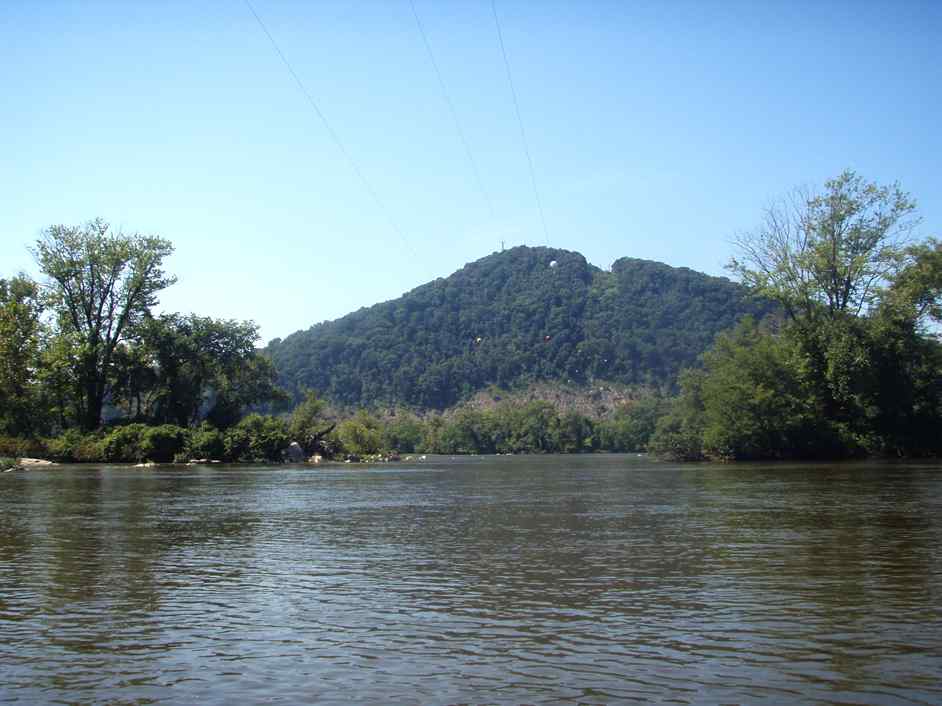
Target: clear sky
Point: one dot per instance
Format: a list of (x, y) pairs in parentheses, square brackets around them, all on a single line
[(656, 130)]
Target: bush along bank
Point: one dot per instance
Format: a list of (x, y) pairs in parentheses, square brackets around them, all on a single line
[(307, 434)]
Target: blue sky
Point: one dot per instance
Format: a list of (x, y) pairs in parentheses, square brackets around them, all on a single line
[(656, 129)]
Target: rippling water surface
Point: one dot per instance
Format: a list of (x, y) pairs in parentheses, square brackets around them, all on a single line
[(595, 579)]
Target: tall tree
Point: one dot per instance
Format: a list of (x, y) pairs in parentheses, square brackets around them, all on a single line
[(198, 359), (101, 283), (916, 292), (20, 346), (856, 368), (824, 255)]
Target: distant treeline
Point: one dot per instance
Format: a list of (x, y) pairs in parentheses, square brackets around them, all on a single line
[(534, 427)]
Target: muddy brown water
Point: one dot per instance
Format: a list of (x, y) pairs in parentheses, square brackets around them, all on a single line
[(538, 580)]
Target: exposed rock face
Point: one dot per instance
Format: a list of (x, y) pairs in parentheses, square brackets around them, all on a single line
[(29, 462), (294, 453)]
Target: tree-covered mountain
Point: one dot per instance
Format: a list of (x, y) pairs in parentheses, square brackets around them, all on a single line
[(511, 318)]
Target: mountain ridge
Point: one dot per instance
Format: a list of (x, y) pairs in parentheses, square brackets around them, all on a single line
[(511, 318)]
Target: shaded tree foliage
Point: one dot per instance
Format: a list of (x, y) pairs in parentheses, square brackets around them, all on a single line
[(197, 366), (21, 333), (308, 426)]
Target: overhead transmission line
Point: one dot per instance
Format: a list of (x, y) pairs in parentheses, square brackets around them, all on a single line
[(454, 113), (523, 134), (333, 134)]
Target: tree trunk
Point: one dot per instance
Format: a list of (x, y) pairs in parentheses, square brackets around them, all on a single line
[(94, 398), (92, 408)]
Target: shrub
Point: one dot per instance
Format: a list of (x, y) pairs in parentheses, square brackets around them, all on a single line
[(124, 443), (677, 439), (6, 463), (15, 447), (402, 433), (72, 445), (632, 425), (360, 435), (163, 443), (205, 442), (256, 438)]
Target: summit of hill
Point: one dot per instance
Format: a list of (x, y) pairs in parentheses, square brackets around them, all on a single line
[(523, 316)]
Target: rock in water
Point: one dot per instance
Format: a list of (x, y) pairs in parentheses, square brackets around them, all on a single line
[(294, 453)]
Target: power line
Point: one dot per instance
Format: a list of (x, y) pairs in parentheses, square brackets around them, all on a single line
[(523, 135), (330, 131), (454, 112)]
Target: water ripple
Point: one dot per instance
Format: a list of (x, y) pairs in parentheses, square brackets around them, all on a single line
[(553, 580)]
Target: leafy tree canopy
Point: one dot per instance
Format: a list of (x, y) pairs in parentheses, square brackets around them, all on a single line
[(514, 317), (822, 255), (102, 283)]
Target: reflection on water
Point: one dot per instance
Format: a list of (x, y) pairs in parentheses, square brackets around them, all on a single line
[(511, 580)]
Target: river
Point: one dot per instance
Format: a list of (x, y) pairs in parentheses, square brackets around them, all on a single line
[(538, 580)]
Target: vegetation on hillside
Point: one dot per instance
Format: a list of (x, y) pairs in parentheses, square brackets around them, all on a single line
[(512, 318)]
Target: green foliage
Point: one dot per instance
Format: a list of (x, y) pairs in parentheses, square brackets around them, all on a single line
[(89, 339), (678, 435), (576, 434), (825, 255), (916, 293), (632, 426), (185, 367), (755, 403), (308, 426), (360, 435), (124, 443), (129, 443), (510, 319), (256, 438), (7, 463), (59, 386), (760, 395), (163, 443), (72, 446), (849, 387), (402, 433), (205, 442), (855, 369), (468, 431), (529, 428), (22, 447), (101, 284), (20, 340), (533, 427)]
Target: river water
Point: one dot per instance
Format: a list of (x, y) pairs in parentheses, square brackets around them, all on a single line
[(579, 579)]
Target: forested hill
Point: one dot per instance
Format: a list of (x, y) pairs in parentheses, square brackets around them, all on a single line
[(511, 318)]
